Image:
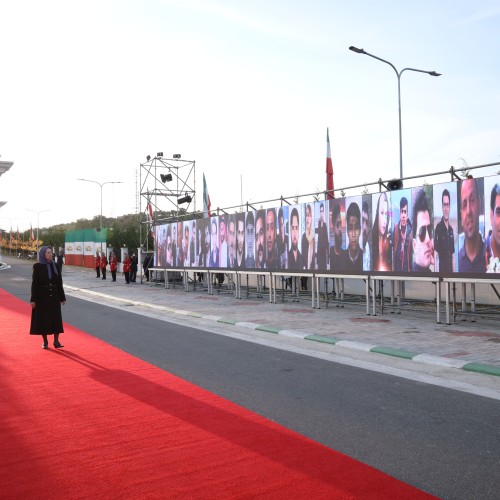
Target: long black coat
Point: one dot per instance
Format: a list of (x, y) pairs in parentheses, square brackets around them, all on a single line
[(46, 317)]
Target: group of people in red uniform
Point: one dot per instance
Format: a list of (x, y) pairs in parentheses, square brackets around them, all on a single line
[(129, 266)]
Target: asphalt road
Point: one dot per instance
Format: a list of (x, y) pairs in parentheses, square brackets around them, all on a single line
[(440, 440)]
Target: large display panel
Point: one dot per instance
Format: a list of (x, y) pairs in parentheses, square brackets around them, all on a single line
[(444, 229)]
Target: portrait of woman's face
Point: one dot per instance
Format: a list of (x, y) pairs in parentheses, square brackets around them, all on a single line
[(48, 254), (383, 209)]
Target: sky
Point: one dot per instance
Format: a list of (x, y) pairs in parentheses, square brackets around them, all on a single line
[(245, 89)]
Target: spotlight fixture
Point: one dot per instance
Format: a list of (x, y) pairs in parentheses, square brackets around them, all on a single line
[(177, 157), (184, 199), (395, 184), (148, 157), (165, 178), (159, 155)]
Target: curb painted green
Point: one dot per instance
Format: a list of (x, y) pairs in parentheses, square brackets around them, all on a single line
[(320, 338), (479, 368), (399, 353), (269, 329), (228, 321)]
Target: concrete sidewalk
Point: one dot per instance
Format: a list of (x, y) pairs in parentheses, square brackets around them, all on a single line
[(413, 334)]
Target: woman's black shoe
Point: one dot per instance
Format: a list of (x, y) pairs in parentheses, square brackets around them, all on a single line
[(58, 345), (45, 345)]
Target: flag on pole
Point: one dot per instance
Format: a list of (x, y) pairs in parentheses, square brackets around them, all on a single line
[(31, 233), (151, 219), (18, 237), (329, 169), (206, 199), (11, 235)]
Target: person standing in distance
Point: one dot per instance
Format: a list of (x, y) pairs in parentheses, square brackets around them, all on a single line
[(98, 264), (104, 263), (133, 268), (126, 268), (113, 262)]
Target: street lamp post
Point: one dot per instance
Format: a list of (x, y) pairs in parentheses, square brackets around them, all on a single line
[(398, 74), (37, 212), (101, 184)]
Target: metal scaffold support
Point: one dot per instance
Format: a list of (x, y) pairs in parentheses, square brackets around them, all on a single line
[(167, 192)]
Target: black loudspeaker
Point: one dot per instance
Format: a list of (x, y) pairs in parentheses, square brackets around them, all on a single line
[(165, 178), (395, 184)]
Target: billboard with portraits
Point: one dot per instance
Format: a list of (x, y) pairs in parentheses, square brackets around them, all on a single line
[(445, 229)]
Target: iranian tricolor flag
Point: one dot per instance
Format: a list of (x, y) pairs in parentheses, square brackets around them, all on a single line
[(206, 199), (329, 169)]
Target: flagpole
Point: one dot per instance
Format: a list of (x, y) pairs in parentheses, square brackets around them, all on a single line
[(38, 212), (329, 193)]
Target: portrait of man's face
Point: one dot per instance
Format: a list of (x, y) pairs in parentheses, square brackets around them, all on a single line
[(259, 235), (295, 232), (422, 243), (207, 238), (353, 231), (366, 226), (214, 235), (495, 222), (282, 228), (232, 238), (270, 231), (337, 230), (250, 238), (222, 230), (186, 240), (403, 215), (469, 208), (240, 236), (179, 235), (446, 208), (169, 250)]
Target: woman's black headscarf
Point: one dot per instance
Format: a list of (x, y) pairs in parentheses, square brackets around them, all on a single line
[(51, 266)]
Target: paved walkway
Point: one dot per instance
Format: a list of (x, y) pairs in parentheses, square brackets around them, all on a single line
[(413, 334)]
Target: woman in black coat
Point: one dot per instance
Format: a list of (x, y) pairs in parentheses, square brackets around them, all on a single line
[(47, 295)]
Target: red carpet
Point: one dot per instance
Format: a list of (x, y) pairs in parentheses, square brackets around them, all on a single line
[(92, 421)]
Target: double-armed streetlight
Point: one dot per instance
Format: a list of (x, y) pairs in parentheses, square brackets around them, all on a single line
[(101, 184), (398, 74)]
